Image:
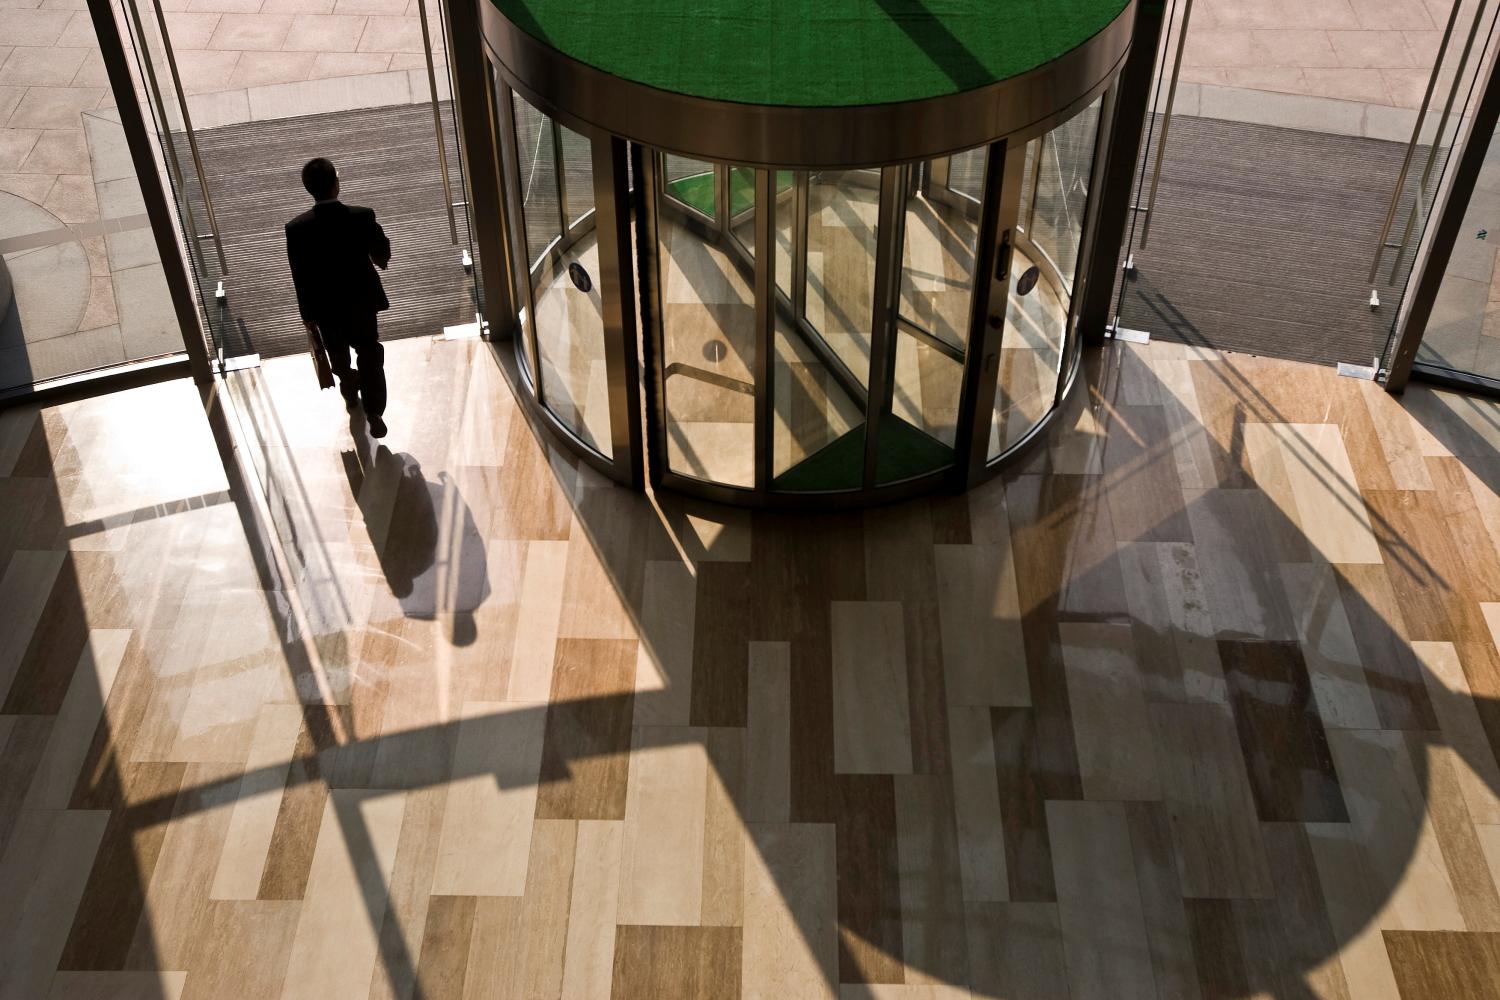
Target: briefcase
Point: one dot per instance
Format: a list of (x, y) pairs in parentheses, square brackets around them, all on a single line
[(320, 360)]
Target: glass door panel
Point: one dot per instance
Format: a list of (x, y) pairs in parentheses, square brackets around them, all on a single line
[(842, 210), (708, 337), (692, 184), (569, 311)]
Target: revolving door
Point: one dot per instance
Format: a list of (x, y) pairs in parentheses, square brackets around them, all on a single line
[(782, 321)]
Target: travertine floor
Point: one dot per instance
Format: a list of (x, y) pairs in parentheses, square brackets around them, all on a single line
[(1201, 702)]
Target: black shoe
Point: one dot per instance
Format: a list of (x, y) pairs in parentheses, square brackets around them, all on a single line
[(377, 427)]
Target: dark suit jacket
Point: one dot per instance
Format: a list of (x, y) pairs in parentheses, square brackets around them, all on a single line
[(333, 250)]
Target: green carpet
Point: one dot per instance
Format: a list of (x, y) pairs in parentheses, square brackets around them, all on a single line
[(904, 452), (813, 53), (697, 191)]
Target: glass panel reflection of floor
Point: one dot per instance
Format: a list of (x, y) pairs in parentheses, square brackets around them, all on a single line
[(570, 343)]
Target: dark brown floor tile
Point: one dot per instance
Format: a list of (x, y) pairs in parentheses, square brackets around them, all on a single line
[(1466, 526), (1302, 913), (722, 634), (1392, 672), (1028, 850), (1281, 735), (1445, 965), (1161, 901), (585, 752), (676, 963), (104, 925), (445, 947), (1216, 949), (869, 886), (1482, 670)]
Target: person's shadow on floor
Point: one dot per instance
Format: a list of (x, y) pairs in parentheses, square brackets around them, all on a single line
[(429, 547)]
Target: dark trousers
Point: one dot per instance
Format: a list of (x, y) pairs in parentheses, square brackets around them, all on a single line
[(360, 334)]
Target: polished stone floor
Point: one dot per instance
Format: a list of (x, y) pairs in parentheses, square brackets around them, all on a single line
[(1202, 701)]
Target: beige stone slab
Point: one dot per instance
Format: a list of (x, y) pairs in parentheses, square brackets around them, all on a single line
[(1111, 724), (768, 734), (1489, 843), (42, 878), (1453, 702), (1328, 647), (791, 912), (871, 711), (536, 636), (1327, 504), (335, 948), (1098, 902), (724, 830), (592, 607), (1390, 822), (588, 963), (664, 668), (544, 926), (980, 612), (1351, 894), (661, 861), (491, 802), (1398, 442), (976, 802), (73, 728), (24, 591)]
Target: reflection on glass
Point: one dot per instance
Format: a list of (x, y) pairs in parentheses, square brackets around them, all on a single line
[(1031, 353), (1463, 333), (818, 433), (692, 183), (842, 209), (1062, 189), (742, 207), (578, 175), (937, 283), (569, 324), (785, 221), (708, 349)]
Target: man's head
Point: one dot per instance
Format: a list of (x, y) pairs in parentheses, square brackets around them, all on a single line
[(320, 178)]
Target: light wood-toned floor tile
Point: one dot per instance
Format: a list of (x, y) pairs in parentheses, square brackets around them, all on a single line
[(871, 712), (541, 606), (588, 964), (1016, 950), (932, 899), (661, 859), (724, 830), (24, 590), (118, 986), (491, 801), (791, 912), (350, 874)]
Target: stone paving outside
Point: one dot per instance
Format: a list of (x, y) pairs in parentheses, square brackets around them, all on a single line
[(92, 293)]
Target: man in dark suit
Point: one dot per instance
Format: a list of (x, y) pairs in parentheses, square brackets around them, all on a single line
[(333, 250)]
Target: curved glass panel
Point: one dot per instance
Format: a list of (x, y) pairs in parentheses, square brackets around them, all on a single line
[(843, 207), (708, 341), (569, 322), (692, 184), (1062, 190), (1054, 198)]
